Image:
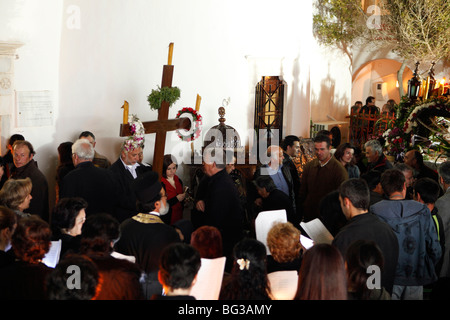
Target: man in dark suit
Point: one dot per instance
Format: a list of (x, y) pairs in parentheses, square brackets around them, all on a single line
[(95, 185), (273, 198), (354, 197), (291, 148), (281, 176), (125, 170), (219, 201), (370, 107)]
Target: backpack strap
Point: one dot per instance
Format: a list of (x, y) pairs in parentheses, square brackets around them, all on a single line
[(436, 223)]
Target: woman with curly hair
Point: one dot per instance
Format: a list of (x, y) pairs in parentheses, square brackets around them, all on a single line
[(248, 279), (25, 278), (283, 240)]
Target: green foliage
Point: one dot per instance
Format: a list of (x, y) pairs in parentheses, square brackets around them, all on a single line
[(417, 30), (170, 95), (420, 28), (338, 22)]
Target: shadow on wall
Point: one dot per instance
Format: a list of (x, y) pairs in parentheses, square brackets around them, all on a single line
[(296, 118), (298, 101), (327, 102)]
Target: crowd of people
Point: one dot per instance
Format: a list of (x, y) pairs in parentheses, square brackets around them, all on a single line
[(124, 229)]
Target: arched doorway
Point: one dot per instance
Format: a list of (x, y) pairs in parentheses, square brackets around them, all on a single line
[(378, 78)]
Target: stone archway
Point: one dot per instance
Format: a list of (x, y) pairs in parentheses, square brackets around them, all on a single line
[(378, 78)]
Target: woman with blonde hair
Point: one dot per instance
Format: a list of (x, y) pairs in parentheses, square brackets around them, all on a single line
[(284, 244), (16, 195)]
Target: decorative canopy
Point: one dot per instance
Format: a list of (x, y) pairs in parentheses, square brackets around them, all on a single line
[(223, 135)]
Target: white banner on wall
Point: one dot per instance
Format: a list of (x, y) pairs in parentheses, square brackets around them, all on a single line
[(34, 108)]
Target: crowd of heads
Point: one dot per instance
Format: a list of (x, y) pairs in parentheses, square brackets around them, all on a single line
[(325, 274)]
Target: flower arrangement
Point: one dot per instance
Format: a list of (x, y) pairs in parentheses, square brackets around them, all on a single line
[(395, 142), (434, 107), (196, 120), (170, 95), (138, 134)]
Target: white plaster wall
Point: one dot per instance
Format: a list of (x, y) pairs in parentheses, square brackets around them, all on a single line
[(95, 54), (37, 24)]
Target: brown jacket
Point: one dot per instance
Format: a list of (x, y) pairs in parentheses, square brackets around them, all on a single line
[(317, 182)]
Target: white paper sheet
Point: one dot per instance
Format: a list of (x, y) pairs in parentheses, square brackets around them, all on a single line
[(283, 284), (264, 222), (209, 279), (306, 242), (51, 259), (317, 231)]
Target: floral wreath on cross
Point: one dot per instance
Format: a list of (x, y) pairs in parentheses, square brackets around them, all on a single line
[(138, 134), (196, 121)]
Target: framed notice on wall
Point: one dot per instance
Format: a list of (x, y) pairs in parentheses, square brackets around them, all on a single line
[(34, 108)]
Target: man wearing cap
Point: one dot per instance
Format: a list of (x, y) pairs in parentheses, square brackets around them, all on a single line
[(145, 235), (126, 169)]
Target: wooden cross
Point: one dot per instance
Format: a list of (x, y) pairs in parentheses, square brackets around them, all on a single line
[(163, 124)]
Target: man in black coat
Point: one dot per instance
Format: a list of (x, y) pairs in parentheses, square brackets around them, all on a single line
[(354, 196), (219, 201), (26, 167), (145, 235), (274, 199), (281, 176), (291, 148), (125, 170), (95, 185)]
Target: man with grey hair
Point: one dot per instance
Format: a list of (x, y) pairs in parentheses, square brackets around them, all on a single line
[(443, 206), (217, 201), (95, 185), (375, 156), (125, 171), (99, 159)]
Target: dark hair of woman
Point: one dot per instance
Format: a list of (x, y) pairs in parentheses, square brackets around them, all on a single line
[(167, 161), (98, 233), (248, 279), (322, 275), (57, 288), (65, 214), (360, 255), (340, 151), (7, 218), (31, 239), (208, 241)]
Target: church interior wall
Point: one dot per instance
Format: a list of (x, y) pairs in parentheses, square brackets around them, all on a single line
[(94, 55)]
